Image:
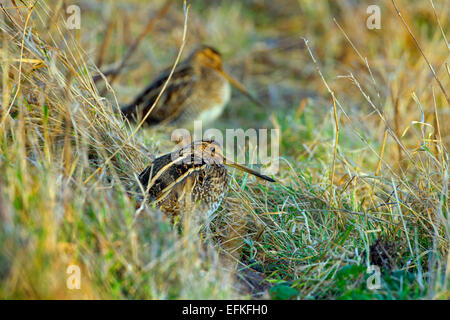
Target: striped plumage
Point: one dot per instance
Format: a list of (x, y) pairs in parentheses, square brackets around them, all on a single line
[(198, 90), (193, 176)]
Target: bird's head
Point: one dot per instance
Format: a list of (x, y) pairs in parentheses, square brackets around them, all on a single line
[(209, 57), (212, 153)]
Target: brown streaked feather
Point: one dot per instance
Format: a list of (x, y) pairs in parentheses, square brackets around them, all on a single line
[(197, 91), (166, 182), (164, 173), (193, 175), (171, 102)]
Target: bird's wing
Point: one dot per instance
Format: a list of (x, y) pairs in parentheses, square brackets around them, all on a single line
[(170, 104), (164, 174)]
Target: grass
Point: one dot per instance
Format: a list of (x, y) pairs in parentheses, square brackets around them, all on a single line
[(312, 235)]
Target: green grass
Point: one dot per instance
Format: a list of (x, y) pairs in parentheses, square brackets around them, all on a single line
[(67, 160)]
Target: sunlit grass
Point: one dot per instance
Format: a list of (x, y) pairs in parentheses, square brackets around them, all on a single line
[(302, 238)]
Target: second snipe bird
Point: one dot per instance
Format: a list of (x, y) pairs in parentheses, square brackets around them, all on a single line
[(194, 176), (199, 90)]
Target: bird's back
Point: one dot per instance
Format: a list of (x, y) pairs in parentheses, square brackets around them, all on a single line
[(169, 107), (193, 93), (173, 181)]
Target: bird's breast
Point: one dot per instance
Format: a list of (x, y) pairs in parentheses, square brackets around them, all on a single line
[(216, 102)]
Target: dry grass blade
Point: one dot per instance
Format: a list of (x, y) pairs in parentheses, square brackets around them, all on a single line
[(6, 114), (336, 143), (69, 163), (148, 28), (180, 51), (421, 51)]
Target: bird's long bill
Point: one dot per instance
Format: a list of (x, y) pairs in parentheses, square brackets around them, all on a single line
[(240, 87), (248, 170)]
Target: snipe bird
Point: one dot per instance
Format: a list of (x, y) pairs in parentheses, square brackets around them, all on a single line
[(198, 90), (193, 176)]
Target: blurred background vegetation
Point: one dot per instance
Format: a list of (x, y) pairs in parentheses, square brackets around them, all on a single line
[(377, 196)]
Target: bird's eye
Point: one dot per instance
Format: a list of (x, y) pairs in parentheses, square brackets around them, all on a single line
[(213, 149)]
